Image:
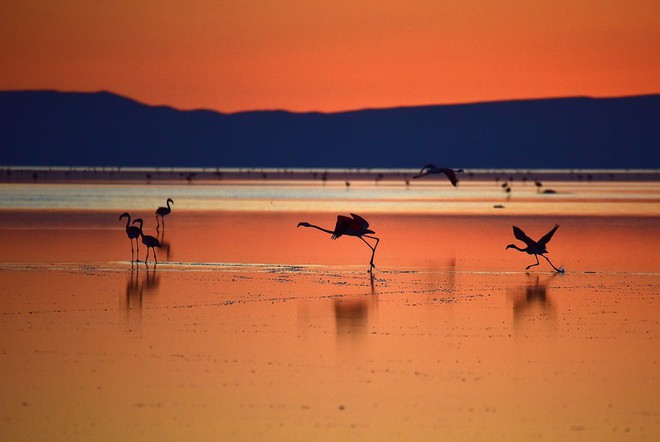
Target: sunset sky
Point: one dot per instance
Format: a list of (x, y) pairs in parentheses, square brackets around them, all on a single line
[(331, 55)]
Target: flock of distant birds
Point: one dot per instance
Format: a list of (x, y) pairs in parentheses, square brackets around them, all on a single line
[(355, 226)]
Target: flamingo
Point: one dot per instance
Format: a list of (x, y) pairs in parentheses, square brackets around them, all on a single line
[(535, 248), (433, 169), (162, 212), (355, 226), (148, 240), (133, 233)]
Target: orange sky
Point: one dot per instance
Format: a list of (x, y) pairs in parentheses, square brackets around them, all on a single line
[(331, 55)]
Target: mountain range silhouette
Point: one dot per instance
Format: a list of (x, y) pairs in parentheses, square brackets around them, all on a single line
[(49, 128)]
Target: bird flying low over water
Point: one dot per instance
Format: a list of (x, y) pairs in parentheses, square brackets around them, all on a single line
[(430, 169), (535, 248), (148, 240), (354, 226)]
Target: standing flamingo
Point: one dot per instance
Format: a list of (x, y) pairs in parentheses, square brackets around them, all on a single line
[(535, 248), (355, 226), (162, 212), (430, 169), (133, 233), (148, 240)]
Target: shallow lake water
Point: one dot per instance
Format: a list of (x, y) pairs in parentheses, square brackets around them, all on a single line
[(249, 328)]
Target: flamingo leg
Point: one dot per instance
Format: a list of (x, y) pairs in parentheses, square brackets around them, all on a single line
[(553, 266), (532, 265), (147, 257), (138, 249), (373, 250), (131, 240), (155, 258)]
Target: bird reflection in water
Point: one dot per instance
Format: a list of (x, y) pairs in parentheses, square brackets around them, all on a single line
[(352, 313), (532, 301), (140, 284), (165, 245)]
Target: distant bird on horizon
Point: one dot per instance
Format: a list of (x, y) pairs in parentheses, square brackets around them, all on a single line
[(538, 185), (162, 212), (430, 169), (148, 240), (535, 248), (133, 233), (355, 226)]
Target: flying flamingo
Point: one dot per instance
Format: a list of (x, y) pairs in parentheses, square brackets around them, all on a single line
[(148, 240), (430, 169), (535, 248), (355, 226), (133, 233), (162, 212)]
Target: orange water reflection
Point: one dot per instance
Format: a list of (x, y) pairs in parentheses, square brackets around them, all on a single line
[(267, 352), (252, 329), (407, 241)]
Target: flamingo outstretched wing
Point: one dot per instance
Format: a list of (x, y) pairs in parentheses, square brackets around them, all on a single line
[(432, 168), (519, 234), (548, 236), (342, 226), (426, 170), (361, 222), (451, 175)]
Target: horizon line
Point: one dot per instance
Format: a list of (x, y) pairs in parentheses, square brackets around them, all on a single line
[(344, 111)]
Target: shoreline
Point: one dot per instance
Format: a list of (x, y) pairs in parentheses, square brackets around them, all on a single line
[(62, 174)]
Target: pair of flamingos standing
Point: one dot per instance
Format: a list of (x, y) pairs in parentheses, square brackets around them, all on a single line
[(359, 227)]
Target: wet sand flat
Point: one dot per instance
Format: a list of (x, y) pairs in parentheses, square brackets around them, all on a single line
[(252, 329), (281, 353)]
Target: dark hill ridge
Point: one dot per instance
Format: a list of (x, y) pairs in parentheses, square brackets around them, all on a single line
[(103, 129)]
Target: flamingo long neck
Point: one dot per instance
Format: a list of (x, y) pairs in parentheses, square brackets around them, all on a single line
[(128, 222), (168, 205), (331, 232), (140, 223), (513, 246)]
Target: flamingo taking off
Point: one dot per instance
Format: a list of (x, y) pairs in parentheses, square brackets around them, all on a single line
[(162, 212), (535, 248), (430, 169), (355, 226), (148, 240), (133, 233)]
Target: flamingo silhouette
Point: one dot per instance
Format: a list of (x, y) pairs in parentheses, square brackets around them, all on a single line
[(430, 169), (148, 240), (133, 233), (355, 226), (535, 248), (162, 212)]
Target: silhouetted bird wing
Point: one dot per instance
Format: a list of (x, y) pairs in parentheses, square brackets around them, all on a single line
[(343, 224), (361, 222), (548, 236), (519, 234), (432, 168), (426, 170), (451, 175)]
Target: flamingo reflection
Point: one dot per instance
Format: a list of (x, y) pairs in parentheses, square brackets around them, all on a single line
[(533, 297), (138, 287), (352, 313)]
